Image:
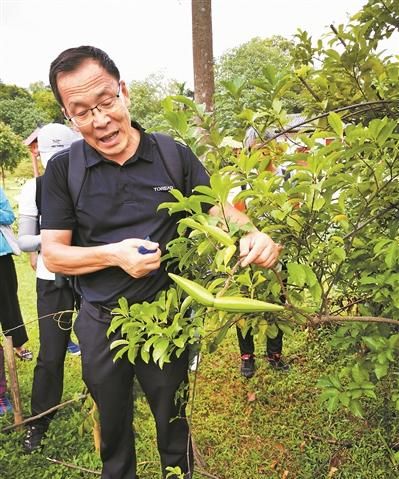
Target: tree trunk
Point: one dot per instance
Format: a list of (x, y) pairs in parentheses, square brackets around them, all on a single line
[(204, 85)]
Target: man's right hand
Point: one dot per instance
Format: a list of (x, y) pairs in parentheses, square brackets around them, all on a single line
[(136, 264)]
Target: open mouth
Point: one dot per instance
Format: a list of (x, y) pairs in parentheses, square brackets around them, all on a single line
[(109, 138)]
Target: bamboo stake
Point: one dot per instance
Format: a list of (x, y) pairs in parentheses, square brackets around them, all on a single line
[(13, 377)]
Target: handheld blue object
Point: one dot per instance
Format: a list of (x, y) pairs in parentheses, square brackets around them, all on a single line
[(143, 250)]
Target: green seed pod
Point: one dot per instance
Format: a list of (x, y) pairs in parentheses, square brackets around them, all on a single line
[(195, 290), (238, 304), (213, 231)]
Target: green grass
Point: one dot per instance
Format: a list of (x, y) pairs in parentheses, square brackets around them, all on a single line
[(269, 427)]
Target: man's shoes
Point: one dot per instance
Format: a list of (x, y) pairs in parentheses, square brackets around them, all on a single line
[(276, 362), (73, 349), (5, 405), (34, 435), (247, 365)]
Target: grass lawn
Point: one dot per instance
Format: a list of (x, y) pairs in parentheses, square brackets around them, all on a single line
[(269, 427)]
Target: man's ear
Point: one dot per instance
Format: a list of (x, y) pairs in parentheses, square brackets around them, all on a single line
[(125, 93)]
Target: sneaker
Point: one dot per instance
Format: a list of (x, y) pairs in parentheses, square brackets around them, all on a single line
[(276, 362), (34, 435), (23, 354), (73, 349), (247, 365), (5, 405)]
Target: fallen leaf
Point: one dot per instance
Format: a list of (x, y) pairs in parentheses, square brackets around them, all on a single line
[(332, 471), (274, 465), (251, 397), (285, 474)]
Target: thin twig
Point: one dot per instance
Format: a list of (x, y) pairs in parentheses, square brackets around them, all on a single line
[(42, 414), (73, 466), (206, 474), (329, 441), (230, 277)]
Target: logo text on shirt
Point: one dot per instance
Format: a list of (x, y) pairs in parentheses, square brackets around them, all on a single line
[(163, 188)]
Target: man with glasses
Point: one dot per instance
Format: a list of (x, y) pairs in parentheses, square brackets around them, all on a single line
[(98, 239)]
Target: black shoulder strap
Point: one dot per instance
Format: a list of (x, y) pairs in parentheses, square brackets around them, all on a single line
[(38, 197), (76, 169), (172, 159)]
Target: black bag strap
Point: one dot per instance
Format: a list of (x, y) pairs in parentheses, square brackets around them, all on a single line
[(38, 197), (76, 169), (171, 158)]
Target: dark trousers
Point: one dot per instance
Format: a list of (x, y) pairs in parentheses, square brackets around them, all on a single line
[(247, 346), (111, 385), (54, 333), (10, 312)]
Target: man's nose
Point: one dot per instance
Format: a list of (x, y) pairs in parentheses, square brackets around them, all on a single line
[(100, 118)]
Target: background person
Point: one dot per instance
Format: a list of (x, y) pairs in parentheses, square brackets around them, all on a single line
[(52, 298), (116, 209), (274, 345), (10, 318)]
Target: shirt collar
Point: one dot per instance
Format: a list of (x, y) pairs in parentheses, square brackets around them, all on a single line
[(144, 150)]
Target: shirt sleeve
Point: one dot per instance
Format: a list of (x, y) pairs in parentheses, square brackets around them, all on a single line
[(57, 206), (7, 216)]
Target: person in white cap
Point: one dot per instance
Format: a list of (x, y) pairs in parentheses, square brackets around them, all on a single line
[(53, 296)]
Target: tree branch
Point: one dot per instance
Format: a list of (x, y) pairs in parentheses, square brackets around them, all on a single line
[(348, 319)]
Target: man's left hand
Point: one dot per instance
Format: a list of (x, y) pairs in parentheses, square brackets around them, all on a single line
[(258, 248)]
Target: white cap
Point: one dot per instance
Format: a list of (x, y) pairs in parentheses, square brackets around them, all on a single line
[(53, 138)]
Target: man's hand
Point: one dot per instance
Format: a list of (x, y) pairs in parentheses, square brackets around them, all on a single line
[(129, 258), (258, 248)]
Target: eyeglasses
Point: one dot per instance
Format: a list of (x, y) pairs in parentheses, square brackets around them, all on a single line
[(85, 117)]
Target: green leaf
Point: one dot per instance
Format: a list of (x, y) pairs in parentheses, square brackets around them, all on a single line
[(356, 408), (160, 346), (392, 255), (334, 120), (381, 370), (296, 274)]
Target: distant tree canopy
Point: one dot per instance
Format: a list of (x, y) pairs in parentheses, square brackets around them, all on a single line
[(12, 150), (22, 115), (10, 92), (247, 67), (146, 98), (26, 109), (45, 101)]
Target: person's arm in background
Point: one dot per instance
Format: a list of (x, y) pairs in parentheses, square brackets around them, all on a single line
[(29, 239), (28, 236), (255, 247)]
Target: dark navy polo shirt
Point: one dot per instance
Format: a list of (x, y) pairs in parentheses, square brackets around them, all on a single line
[(118, 202)]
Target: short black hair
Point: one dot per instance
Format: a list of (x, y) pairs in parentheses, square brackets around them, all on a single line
[(69, 60)]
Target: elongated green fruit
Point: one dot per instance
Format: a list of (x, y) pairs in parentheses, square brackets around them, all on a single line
[(238, 304), (217, 233), (195, 290)]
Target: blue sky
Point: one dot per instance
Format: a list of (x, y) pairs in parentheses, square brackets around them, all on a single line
[(144, 37)]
